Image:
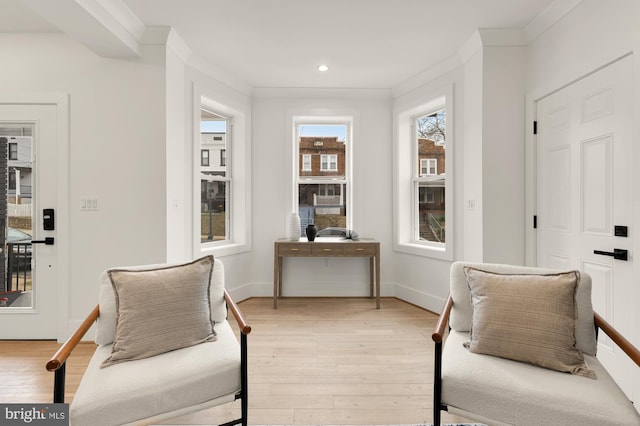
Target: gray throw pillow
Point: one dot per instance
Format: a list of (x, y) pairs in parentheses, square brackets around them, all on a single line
[(528, 318), (161, 310)]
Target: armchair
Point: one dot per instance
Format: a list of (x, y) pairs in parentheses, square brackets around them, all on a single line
[(499, 391), (156, 386)]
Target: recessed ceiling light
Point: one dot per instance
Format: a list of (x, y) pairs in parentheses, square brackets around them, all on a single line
[(323, 68)]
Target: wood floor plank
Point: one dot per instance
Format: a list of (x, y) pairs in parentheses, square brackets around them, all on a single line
[(313, 361)]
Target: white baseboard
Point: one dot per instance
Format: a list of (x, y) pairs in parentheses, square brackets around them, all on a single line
[(266, 290), (241, 293), (424, 300)]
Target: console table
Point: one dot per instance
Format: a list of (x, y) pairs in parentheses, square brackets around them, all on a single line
[(327, 247)]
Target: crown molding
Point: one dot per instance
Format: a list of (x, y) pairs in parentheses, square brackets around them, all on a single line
[(548, 17), (107, 27)]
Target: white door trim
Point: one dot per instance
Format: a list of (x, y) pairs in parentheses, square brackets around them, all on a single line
[(61, 103)]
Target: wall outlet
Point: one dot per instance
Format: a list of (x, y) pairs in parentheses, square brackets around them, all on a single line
[(88, 204), (471, 204)]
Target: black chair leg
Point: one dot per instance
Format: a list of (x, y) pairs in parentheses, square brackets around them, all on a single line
[(244, 380), (59, 384), (437, 384)]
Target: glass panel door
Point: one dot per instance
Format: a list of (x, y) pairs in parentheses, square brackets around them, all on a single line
[(16, 212)]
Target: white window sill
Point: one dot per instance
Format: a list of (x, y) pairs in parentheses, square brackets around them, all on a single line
[(225, 249), (423, 250)]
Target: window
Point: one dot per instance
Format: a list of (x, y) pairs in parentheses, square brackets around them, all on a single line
[(429, 183), (328, 162), (306, 162), (204, 157), (13, 151), (12, 179), (323, 186), (423, 193), (220, 193), (428, 166), (215, 181)]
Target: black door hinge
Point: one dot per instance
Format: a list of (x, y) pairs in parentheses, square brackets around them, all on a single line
[(535, 221), (535, 127)]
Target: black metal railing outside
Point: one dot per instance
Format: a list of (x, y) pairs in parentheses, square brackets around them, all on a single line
[(18, 266)]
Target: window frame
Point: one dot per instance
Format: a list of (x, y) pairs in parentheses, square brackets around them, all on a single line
[(238, 164), (306, 163), (329, 162), (428, 168), (313, 117), (13, 151), (407, 179), (226, 179), (204, 159)]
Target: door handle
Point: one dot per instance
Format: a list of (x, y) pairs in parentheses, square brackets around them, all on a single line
[(48, 241), (618, 254)]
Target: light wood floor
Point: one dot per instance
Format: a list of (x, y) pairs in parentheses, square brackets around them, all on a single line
[(313, 361)]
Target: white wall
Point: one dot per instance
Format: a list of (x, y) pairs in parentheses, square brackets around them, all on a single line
[(472, 146), (488, 166), (177, 183), (372, 151), (494, 147), (503, 155), (117, 151), (420, 279), (237, 260)]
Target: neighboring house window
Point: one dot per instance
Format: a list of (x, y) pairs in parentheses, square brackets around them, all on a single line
[(12, 179), (428, 166), (223, 157), (424, 172), (215, 181), (204, 157), (306, 162), (13, 151), (329, 162), (323, 187)]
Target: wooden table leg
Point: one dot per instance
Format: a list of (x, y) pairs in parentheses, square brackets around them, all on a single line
[(276, 278), (378, 280), (280, 261), (371, 278)]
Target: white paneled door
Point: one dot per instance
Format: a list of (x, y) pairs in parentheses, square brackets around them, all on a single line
[(584, 195), (35, 298)]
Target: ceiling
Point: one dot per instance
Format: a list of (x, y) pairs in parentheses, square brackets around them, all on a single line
[(280, 43)]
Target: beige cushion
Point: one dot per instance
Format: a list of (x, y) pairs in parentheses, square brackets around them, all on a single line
[(106, 324), (497, 391), (528, 318), (161, 310), (167, 383), (461, 313)]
